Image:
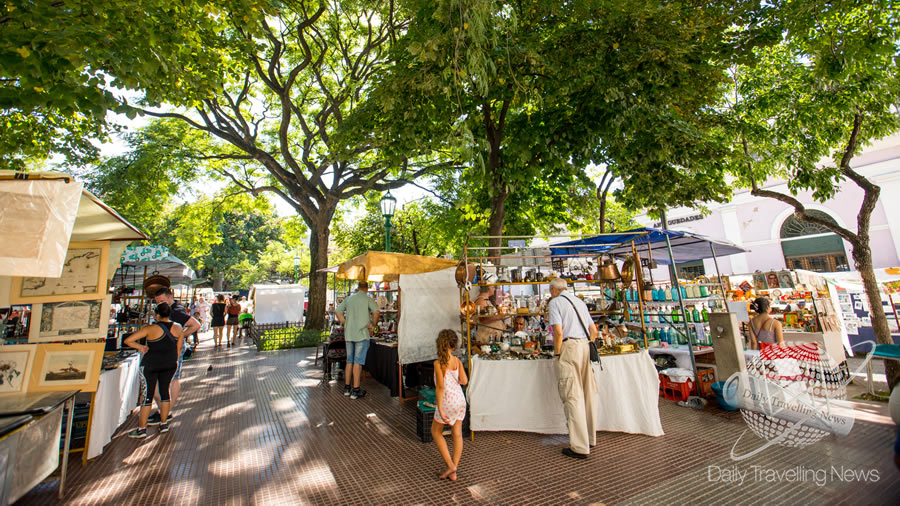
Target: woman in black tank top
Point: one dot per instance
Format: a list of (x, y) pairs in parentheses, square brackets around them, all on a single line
[(160, 361)]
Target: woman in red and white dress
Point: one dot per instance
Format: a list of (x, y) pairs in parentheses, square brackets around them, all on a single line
[(449, 375)]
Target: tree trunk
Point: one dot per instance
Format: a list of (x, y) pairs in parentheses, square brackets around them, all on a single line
[(218, 284), (862, 256), (318, 281)]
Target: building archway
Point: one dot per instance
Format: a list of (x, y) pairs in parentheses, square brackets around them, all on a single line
[(811, 246)]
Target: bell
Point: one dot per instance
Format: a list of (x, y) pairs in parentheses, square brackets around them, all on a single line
[(608, 271)]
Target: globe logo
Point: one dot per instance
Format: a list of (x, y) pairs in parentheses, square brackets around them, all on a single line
[(806, 370), (793, 395)]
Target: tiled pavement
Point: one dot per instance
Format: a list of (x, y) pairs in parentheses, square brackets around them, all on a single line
[(261, 428)]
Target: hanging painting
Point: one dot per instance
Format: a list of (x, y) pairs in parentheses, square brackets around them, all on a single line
[(15, 366), (69, 321), (74, 366), (83, 277)]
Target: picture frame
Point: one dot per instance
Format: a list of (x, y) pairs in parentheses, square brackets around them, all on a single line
[(69, 321), (785, 280), (60, 367), (16, 361), (759, 281), (83, 277)]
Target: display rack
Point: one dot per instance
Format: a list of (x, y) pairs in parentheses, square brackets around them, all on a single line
[(606, 295)]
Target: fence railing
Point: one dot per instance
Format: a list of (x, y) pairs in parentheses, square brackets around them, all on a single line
[(284, 335)]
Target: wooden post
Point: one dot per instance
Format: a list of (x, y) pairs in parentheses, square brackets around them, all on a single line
[(639, 279)]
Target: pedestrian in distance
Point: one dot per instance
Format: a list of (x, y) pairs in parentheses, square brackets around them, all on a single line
[(449, 377), (358, 314), (218, 319)]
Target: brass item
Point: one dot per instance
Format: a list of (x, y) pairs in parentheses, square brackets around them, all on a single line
[(608, 271), (628, 271), (625, 348)]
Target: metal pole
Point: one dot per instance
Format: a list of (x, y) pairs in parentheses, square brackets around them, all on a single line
[(673, 274), (639, 281), (70, 406), (387, 234), (712, 248)]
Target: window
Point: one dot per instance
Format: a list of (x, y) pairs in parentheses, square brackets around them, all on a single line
[(691, 270), (811, 246)]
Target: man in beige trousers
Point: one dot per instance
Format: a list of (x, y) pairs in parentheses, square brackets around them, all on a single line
[(573, 328)]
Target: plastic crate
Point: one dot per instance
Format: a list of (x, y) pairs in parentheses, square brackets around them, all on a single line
[(675, 391), (707, 378)]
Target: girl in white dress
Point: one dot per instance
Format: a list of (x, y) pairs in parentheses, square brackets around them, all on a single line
[(451, 403)]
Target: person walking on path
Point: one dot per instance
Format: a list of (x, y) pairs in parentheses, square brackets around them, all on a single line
[(218, 319), (449, 375), (573, 328), (232, 323), (165, 341), (358, 314), (203, 307), (189, 325)]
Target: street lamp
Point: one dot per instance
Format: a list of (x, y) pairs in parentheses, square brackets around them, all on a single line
[(388, 204), (296, 269)]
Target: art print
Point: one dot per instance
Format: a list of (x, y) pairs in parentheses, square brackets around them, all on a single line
[(83, 277), (61, 367), (69, 321), (15, 366)]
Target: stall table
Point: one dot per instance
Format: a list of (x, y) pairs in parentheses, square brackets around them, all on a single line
[(681, 354), (30, 449), (522, 395), (116, 397), (382, 362)]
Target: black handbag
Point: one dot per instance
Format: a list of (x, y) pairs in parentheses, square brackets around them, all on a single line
[(592, 346)]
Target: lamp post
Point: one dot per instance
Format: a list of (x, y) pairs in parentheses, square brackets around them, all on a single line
[(388, 204), (296, 269)]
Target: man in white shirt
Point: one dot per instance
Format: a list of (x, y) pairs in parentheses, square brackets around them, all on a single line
[(572, 329)]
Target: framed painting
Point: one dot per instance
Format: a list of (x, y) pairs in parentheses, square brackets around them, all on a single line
[(83, 277), (15, 367), (74, 366), (69, 321)]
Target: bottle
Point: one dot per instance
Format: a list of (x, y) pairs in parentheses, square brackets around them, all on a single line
[(705, 314), (675, 317), (696, 314), (667, 293), (662, 314), (694, 292), (704, 292), (683, 292), (648, 294)]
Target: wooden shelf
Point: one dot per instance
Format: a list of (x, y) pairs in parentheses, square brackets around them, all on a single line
[(545, 282)]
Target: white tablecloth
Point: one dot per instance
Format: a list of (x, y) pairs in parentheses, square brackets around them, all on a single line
[(522, 395), (117, 395)]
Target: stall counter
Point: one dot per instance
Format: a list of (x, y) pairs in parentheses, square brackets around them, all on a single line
[(117, 396), (522, 395)]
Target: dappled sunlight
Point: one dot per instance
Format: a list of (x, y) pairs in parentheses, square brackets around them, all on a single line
[(242, 461), (382, 427), (306, 382), (233, 410)]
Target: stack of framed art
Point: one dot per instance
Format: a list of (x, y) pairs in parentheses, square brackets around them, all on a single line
[(70, 317)]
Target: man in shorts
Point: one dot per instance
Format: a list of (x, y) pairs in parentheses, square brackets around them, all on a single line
[(189, 325), (358, 314)]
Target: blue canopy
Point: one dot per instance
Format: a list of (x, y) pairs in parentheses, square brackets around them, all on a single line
[(686, 246)]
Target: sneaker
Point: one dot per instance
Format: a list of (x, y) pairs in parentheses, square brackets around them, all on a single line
[(138, 433), (155, 419), (347, 389), (357, 393), (163, 427)]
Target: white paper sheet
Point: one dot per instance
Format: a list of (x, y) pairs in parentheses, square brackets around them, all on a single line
[(429, 303)]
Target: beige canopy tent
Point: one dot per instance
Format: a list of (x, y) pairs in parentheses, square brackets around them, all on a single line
[(383, 266)]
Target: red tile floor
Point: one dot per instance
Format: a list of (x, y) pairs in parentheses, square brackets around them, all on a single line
[(261, 428)]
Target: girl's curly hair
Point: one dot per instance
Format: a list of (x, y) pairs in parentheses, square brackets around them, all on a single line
[(446, 343)]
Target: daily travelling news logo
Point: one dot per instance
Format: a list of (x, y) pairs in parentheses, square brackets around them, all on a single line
[(792, 395)]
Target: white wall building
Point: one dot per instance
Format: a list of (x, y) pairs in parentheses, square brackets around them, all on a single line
[(776, 240)]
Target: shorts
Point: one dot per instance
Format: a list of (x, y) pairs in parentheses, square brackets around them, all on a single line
[(356, 351), (232, 320)]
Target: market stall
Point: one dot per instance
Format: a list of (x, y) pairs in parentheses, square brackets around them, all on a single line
[(410, 286), (68, 308), (608, 272)]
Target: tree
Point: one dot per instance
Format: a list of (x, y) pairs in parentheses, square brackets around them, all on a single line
[(810, 105), (142, 183), (298, 75), (538, 86), (61, 64)]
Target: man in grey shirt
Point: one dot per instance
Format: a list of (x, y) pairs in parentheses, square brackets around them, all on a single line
[(572, 329)]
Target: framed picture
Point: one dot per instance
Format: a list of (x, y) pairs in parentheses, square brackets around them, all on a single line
[(785, 280), (83, 277), (772, 279), (759, 281), (74, 366), (69, 321), (15, 366)]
